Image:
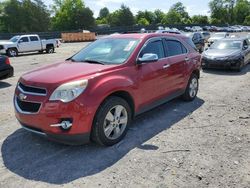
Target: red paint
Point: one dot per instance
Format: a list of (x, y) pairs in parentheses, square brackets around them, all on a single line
[(145, 83)]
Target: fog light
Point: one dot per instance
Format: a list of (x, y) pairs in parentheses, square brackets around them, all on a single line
[(64, 125)]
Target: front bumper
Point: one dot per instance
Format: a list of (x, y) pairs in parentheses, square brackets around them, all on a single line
[(220, 64), (76, 139), (38, 119)]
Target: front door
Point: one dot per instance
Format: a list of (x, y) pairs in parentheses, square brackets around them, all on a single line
[(23, 44), (153, 76)]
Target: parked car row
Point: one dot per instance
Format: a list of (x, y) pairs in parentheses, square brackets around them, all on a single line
[(235, 28)]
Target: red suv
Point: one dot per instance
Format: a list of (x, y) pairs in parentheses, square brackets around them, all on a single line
[(97, 92)]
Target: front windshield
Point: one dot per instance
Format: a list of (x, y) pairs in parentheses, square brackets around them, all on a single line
[(227, 44), (14, 39), (107, 51), (219, 35)]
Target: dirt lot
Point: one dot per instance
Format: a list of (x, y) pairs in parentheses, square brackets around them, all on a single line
[(205, 143)]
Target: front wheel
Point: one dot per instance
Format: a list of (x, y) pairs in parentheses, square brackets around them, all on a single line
[(192, 88), (12, 52), (111, 121)]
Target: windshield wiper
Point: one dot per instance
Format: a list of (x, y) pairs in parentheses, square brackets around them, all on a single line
[(71, 59), (93, 61)]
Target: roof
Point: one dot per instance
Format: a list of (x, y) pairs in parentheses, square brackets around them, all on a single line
[(145, 35)]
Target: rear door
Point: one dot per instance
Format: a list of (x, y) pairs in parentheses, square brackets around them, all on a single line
[(178, 59), (153, 76), (35, 43)]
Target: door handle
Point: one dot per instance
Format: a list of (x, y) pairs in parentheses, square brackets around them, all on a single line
[(166, 66), (187, 59)]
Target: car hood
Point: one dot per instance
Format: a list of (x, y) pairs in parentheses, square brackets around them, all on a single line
[(63, 72), (6, 42), (221, 53)]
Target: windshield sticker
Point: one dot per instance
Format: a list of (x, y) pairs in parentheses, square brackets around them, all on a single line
[(129, 46)]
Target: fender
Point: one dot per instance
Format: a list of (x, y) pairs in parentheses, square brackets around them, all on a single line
[(101, 88)]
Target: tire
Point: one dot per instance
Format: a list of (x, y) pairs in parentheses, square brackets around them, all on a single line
[(191, 89), (12, 52), (50, 49), (105, 118), (239, 68)]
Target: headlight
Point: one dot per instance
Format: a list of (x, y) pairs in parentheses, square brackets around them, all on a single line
[(69, 91)]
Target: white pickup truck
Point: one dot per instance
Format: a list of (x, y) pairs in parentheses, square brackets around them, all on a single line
[(27, 43)]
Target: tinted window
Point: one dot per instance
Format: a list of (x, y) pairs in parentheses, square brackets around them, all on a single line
[(155, 47), (33, 38), (24, 39), (174, 48)]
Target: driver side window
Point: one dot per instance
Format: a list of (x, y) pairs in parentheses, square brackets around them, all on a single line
[(23, 39), (155, 47)]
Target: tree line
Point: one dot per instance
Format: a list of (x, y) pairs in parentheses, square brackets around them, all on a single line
[(35, 16)]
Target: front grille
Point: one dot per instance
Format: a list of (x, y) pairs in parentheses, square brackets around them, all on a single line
[(27, 107), (31, 89), (1, 47)]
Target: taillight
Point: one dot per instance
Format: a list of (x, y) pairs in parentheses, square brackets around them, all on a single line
[(7, 61)]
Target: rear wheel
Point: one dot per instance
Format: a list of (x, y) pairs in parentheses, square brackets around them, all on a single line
[(50, 49), (192, 88), (12, 52), (111, 121)]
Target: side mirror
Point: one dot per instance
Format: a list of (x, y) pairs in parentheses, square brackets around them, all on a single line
[(20, 41), (148, 57)]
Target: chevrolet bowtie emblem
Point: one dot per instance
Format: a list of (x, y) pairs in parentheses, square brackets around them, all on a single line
[(22, 97)]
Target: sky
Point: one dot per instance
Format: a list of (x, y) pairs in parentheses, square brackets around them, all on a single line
[(193, 7)]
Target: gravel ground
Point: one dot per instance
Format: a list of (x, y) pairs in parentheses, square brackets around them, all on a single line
[(205, 143)]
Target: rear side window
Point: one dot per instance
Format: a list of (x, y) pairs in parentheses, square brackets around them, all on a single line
[(33, 38), (174, 48), (155, 47)]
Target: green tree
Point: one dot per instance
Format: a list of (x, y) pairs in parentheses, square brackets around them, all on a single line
[(143, 21), (247, 21), (159, 15), (72, 14), (121, 17), (241, 10), (147, 15), (199, 19), (181, 10), (222, 11), (172, 17), (24, 16), (104, 13)]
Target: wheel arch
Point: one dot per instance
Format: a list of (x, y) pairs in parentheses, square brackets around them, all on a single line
[(126, 96), (196, 72)]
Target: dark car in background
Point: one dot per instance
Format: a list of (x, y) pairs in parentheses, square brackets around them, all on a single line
[(232, 53), (198, 40), (6, 70), (206, 35)]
